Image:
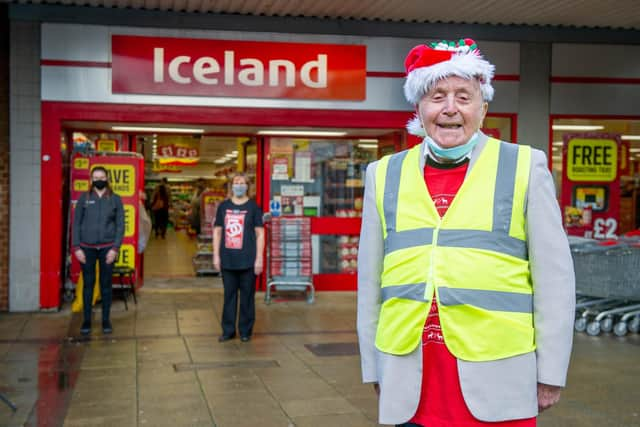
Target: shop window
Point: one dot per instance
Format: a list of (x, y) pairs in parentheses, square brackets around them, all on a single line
[(498, 127), (325, 178), (321, 177), (627, 131)]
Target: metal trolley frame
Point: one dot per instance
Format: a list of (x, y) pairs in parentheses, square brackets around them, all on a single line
[(289, 261), (608, 286)]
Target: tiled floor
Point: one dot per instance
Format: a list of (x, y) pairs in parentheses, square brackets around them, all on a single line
[(164, 367)]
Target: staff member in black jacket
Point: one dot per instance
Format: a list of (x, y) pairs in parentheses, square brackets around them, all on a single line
[(98, 229)]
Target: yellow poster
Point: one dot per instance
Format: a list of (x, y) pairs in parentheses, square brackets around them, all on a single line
[(81, 163), (122, 178), (107, 144), (129, 220), (80, 185), (127, 256), (592, 160)]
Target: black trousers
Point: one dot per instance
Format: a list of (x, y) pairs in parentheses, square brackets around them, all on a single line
[(89, 278), (161, 221), (244, 282)]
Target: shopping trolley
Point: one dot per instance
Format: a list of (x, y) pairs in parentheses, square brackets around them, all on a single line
[(289, 257), (607, 285)]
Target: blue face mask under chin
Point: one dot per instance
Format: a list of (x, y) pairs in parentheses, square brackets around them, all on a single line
[(452, 153)]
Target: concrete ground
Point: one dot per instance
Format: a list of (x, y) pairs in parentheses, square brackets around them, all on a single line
[(163, 366)]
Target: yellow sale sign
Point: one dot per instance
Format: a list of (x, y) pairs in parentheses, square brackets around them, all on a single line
[(81, 163), (130, 219), (81, 185), (592, 160), (127, 256), (122, 178)]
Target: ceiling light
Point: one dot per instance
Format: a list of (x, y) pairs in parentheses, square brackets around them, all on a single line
[(235, 152), (373, 140), (557, 143), (630, 137), (155, 129), (300, 133), (577, 127), (368, 146), (634, 150)]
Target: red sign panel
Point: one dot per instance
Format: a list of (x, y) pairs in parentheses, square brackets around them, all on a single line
[(173, 66)]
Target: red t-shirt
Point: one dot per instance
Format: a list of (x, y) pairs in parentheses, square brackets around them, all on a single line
[(441, 401)]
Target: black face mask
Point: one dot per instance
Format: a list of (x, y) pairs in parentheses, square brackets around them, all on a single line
[(100, 185)]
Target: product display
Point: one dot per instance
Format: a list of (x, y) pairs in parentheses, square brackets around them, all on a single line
[(180, 204)]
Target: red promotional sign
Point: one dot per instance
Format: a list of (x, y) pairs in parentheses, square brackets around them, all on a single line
[(173, 66), (590, 196)]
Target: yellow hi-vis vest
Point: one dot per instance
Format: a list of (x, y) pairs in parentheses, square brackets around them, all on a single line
[(474, 258)]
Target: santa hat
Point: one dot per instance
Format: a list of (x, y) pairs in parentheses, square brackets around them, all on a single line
[(426, 65)]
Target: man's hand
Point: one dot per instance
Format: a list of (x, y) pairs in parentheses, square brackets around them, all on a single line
[(258, 267), (376, 387), (548, 395), (216, 262), (111, 256), (79, 253)]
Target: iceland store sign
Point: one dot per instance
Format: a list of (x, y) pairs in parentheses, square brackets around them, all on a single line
[(201, 67)]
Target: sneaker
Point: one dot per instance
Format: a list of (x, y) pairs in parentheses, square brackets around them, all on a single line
[(85, 329), (106, 327), (223, 338), (245, 338)]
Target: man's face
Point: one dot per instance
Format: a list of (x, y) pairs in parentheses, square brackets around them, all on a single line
[(452, 111)]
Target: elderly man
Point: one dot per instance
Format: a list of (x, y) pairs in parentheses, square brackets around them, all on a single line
[(465, 279)]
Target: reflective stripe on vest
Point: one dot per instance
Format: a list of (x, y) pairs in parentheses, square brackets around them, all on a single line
[(425, 254), (495, 240)]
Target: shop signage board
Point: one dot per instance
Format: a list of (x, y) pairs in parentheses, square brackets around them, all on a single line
[(125, 178), (249, 69), (591, 184)]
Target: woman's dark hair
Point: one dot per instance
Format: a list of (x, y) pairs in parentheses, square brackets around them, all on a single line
[(163, 191), (106, 172)]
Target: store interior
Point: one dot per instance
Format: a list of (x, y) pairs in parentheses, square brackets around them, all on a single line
[(304, 171), (311, 172)]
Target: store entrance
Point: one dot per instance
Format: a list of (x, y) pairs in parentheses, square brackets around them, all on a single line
[(186, 177), (307, 172)]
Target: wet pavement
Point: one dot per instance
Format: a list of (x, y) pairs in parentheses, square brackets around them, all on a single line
[(163, 366)]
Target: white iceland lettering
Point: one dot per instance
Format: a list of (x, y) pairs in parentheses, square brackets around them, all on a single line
[(252, 76), (174, 69), (206, 66), (158, 65), (289, 72), (207, 70), (321, 77), (228, 67)]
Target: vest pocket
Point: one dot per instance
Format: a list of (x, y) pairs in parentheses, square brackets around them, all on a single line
[(400, 325)]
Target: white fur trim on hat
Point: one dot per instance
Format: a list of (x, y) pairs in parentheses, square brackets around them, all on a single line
[(414, 127), (465, 65)]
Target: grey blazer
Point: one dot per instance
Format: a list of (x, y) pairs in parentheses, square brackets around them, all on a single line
[(493, 391)]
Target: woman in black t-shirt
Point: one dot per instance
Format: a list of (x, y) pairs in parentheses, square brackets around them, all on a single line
[(237, 254)]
